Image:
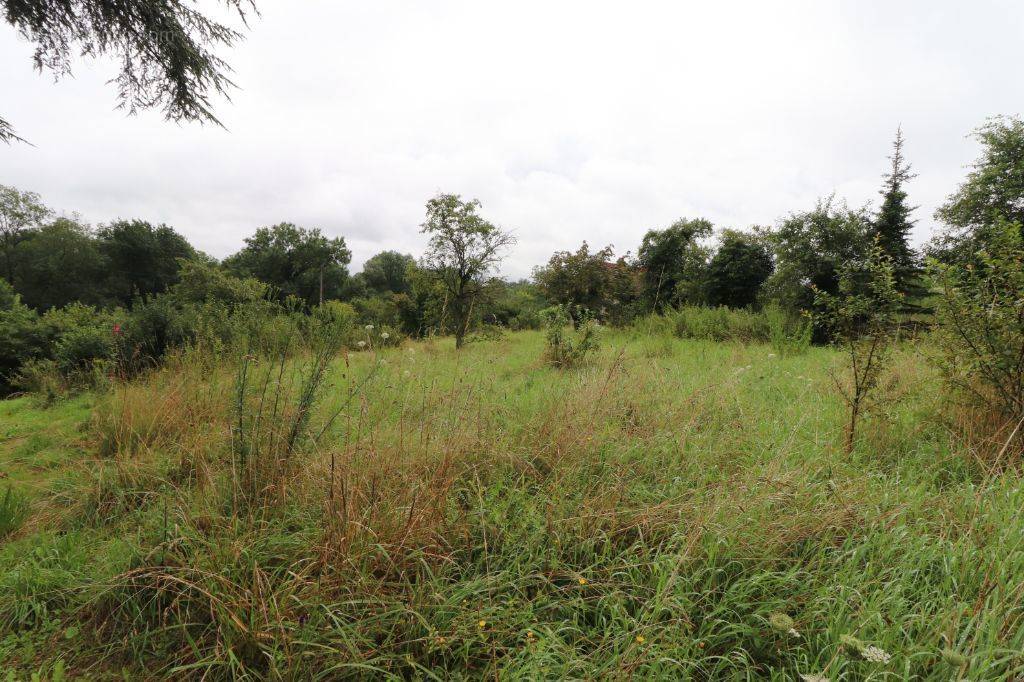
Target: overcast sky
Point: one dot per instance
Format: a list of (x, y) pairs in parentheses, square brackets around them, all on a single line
[(568, 120)]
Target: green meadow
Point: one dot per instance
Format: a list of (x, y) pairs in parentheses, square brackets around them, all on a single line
[(674, 509)]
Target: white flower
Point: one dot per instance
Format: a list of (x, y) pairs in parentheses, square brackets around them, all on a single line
[(874, 654), (361, 344), (384, 335), (369, 327)]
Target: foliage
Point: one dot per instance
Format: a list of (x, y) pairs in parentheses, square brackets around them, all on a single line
[(591, 282), (386, 273), (22, 337), (673, 264), (568, 347), (981, 316), (163, 49), (861, 319), (992, 191), (295, 262), (515, 305), (61, 263), (739, 267), (810, 250), (463, 249), (19, 212), (142, 259)]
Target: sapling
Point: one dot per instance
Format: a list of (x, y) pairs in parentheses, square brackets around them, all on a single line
[(862, 319)]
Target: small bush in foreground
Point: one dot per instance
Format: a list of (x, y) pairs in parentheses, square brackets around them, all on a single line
[(981, 330), (567, 348)]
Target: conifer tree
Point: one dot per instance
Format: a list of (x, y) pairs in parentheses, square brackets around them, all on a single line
[(892, 224)]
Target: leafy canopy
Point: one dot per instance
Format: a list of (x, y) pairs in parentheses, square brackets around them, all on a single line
[(295, 261), (463, 249), (672, 263)]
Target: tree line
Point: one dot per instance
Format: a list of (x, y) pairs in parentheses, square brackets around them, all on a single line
[(126, 270)]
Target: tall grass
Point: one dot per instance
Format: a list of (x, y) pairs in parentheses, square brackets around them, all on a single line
[(787, 334), (479, 514), (13, 511)]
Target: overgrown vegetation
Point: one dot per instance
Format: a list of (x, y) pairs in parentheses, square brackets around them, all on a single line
[(476, 512), (260, 480), (567, 346)]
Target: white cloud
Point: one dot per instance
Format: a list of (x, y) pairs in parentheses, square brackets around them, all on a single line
[(570, 121)]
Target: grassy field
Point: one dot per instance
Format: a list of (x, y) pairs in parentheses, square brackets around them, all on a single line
[(674, 509)]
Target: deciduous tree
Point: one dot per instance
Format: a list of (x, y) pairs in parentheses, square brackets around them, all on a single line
[(463, 249), (295, 261)]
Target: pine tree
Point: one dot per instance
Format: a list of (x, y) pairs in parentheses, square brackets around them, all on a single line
[(892, 224)]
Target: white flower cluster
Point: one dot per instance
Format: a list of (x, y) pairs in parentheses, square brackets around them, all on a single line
[(875, 655)]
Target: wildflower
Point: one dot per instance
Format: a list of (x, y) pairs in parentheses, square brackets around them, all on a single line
[(640, 639), (384, 335), (954, 658), (361, 344), (369, 327), (482, 624), (875, 655), (583, 581)]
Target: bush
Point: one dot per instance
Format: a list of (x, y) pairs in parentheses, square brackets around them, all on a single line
[(981, 322), (22, 338), (566, 348)]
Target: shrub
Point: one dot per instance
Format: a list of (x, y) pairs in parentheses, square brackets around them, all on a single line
[(981, 321), (22, 338), (567, 348)]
